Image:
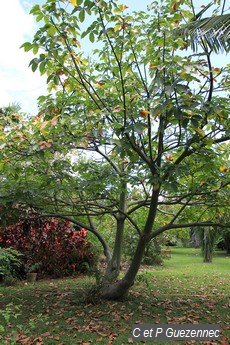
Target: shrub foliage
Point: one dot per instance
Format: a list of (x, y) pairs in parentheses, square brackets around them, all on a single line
[(53, 245), (10, 263)]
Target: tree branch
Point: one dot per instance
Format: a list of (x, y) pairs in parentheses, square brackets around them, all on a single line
[(186, 225)]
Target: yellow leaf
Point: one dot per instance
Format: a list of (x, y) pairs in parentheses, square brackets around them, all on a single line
[(169, 158), (223, 169), (117, 109), (144, 112), (152, 66), (99, 84), (175, 5), (73, 2), (76, 42), (122, 7), (117, 27)]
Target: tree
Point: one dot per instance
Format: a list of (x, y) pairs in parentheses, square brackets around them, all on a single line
[(208, 237), (226, 237), (153, 124), (223, 216), (214, 32)]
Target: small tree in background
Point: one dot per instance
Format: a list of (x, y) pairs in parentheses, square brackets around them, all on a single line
[(209, 237), (226, 237)]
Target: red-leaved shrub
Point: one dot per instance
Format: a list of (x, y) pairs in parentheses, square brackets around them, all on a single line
[(53, 245)]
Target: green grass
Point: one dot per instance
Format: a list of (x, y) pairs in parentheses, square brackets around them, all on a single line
[(184, 290)]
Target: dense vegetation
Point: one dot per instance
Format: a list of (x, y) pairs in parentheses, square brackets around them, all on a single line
[(49, 247)]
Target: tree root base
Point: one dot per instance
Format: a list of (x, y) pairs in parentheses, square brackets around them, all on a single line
[(117, 291)]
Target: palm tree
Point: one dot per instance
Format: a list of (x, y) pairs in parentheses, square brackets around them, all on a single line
[(213, 32)]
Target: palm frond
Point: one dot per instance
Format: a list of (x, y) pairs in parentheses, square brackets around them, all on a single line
[(214, 32)]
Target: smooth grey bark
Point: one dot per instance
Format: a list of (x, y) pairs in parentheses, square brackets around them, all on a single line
[(120, 288), (113, 267), (207, 246)]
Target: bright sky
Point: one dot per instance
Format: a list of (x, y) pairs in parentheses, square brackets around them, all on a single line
[(18, 82)]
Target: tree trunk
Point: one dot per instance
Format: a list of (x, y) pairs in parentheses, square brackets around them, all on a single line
[(120, 288), (207, 246), (227, 244), (113, 267)]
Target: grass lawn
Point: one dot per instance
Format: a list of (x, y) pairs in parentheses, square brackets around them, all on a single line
[(184, 290)]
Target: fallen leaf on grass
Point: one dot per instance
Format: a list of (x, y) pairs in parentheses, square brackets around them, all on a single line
[(224, 342), (38, 343), (99, 339), (211, 304), (112, 336), (38, 340), (46, 334), (23, 339), (102, 334)]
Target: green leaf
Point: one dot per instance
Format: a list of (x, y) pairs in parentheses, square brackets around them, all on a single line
[(89, 3), (52, 30), (82, 16), (182, 88), (39, 17), (50, 77), (185, 123), (35, 9), (42, 57), (139, 127), (194, 122), (56, 80), (200, 132), (86, 32), (178, 114), (27, 46), (34, 66), (35, 48), (91, 37), (42, 67)]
